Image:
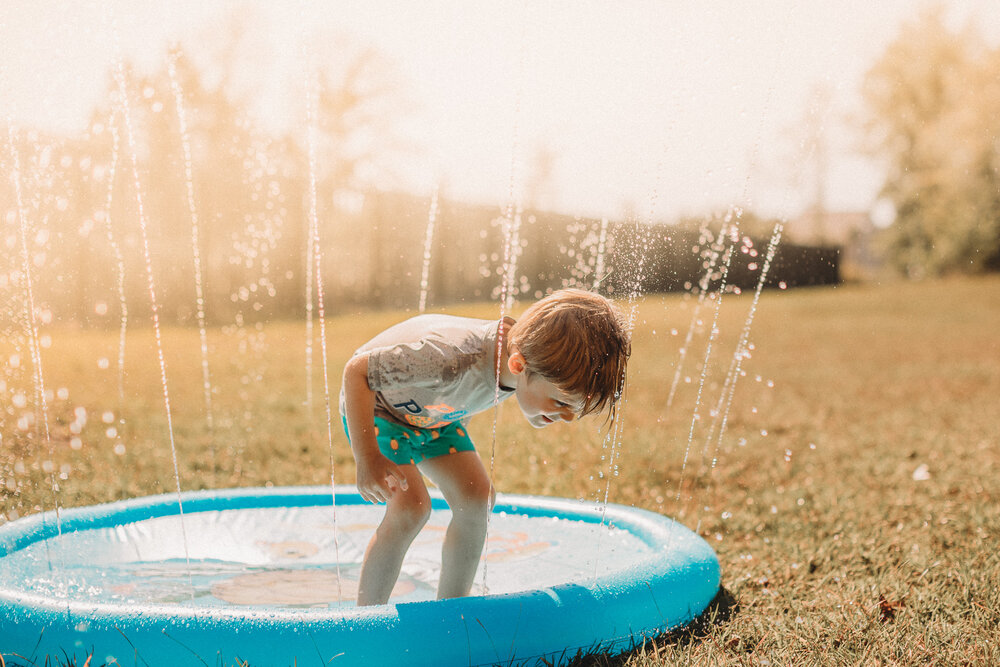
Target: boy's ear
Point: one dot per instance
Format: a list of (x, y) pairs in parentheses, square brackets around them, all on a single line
[(516, 362)]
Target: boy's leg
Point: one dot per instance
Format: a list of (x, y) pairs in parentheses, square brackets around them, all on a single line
[(405, 514), (466, 486)]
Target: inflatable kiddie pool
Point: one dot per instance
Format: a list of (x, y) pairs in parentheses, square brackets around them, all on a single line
[(259, 582)]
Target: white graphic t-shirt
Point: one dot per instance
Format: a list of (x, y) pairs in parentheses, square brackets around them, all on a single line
[(432, 370)]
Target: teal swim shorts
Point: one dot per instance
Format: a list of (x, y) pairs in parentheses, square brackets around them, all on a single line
[(406, 444)]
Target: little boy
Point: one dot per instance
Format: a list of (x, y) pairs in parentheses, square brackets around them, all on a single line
[(408, 393)]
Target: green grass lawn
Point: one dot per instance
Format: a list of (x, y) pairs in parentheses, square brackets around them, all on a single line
[(853, 498)]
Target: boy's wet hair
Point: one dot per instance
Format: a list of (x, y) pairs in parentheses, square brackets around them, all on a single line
[(578, 341)]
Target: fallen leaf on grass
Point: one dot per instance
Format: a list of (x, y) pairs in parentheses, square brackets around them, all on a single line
[(888, 609)]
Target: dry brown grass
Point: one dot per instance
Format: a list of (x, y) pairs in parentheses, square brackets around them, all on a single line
[(833, 551)]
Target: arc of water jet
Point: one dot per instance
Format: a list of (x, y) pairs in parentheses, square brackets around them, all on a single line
[(715, 253), (741, 348), (642, 237), (175, 87), (737, 361), (120, 263), (310, 251), (713, 332), (321, 310), (515, 254), (509, 269), (599, 261), (505, 281), (616, 428), (151, 283), (31, 324), (428, 239), (746, 187)]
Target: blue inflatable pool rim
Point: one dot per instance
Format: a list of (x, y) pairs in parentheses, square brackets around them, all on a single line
[(609, 613)]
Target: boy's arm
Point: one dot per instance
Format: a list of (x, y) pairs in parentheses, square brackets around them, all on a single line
[(377, 476)]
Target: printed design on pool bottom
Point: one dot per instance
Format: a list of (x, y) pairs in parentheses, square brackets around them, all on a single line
[(268, 576)]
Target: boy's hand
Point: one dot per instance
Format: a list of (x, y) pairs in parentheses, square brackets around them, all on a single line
[(378, 478)]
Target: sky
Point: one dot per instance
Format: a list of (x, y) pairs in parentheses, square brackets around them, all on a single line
[(663, 108)]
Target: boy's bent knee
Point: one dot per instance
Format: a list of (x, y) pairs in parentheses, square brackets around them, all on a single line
[(475, 496), (408, 509)]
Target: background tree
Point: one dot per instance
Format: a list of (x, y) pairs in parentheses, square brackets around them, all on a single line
[(933, 106), (250, 181)]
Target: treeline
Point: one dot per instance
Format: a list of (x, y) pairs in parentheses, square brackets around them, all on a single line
[(227, 215)]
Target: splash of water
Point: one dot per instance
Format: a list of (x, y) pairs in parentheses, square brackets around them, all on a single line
[(206, 378), (428, 239), (151, 284), (321, 309)]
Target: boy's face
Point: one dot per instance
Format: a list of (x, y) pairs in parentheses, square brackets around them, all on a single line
[(543, 403)]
